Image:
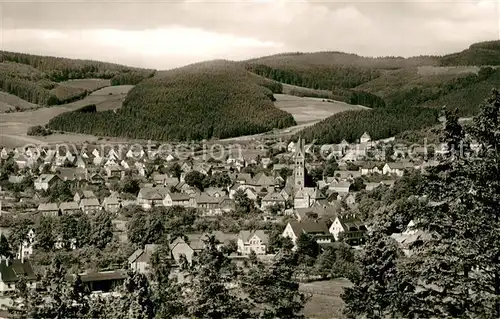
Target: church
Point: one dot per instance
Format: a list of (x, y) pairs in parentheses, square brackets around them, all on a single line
[(304, 196)]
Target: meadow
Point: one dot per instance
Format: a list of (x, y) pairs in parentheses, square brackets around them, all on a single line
[(13, 126), (325, 301), (307, 109)]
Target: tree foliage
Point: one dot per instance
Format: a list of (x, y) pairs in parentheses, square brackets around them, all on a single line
[(212, 99)]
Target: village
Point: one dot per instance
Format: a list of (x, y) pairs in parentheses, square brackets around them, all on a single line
[(294, 188)]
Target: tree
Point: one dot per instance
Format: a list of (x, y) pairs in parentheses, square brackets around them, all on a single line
[(455, 272), (376, 292), (45, 238), (101, 229), (325, 262), (285, 172), (243, 203), (307, 246), (209, 296), (195, 179), (330, 167), (220, 180), (130, 186), (272, 290), (358, 185), (60, 192), (5, 249), (175, 170)]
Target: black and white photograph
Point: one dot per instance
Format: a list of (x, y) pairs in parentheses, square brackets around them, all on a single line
[(249, 159)]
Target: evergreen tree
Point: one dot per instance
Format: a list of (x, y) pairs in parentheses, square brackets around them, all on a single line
[(209, 295), (376, 290), (272, 289)]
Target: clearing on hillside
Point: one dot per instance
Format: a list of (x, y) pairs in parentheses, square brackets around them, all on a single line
[(308, 109), (12, 102), (86, 84), (325, 302), (13, 126)]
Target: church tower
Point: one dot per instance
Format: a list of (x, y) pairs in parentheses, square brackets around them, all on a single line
[(299, 164)]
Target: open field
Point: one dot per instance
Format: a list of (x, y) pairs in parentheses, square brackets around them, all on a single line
[(325, 302), (308, 109), (13, 126), (87, 84), (9, 101)]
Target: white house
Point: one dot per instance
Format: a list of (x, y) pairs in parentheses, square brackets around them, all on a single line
[(249, 241), (45, 181), (365, 138), (353, 230), (396, 168), (317, 229), (140, 260)]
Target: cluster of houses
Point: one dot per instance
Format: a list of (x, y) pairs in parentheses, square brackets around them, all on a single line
[(318, 209)]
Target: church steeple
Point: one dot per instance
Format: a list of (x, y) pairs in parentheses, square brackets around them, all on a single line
[(299, 164)]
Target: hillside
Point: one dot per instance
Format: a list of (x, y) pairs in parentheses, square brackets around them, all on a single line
[(379, 123), (380, 82), (216, 99), (45, 80)]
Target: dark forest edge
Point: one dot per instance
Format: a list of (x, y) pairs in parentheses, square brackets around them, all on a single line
[(38, 79)]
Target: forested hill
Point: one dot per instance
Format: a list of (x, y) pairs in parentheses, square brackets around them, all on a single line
[(216, 99), (386, 81), (38, 79)]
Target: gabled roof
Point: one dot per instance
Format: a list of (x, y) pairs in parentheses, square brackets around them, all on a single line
[(48, 207), (262, 179), (309, 227), (15, 269), (89, 202), (396, 165), (179, 196), (69, 206), (274, 196), (153, 193), (246, 235)]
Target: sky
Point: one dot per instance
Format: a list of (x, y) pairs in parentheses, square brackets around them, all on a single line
[(166, 34)]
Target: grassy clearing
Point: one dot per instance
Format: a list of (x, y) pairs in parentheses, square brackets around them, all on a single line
[(307, 109), (13, 126), (86, 84), (12, 102), (325, 302)]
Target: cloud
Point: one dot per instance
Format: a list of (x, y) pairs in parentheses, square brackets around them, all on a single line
[(171, 33)]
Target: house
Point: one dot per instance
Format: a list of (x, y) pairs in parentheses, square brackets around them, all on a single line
[(347, 176), (262, 180), (340, 187), (68, 208), (208, 205), (353, 230), (111, 203), (48, 209), (16, 179), (10, 272), (317, 229), (102, 282), (256, 241), (177, 199), (149, 197), (114, 171), (365, 138), (396, 168), (273, 199), (81, 194), (45, 181), (26, 248), (140, 260), (182, 249), (306, 197), (89, 205)]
